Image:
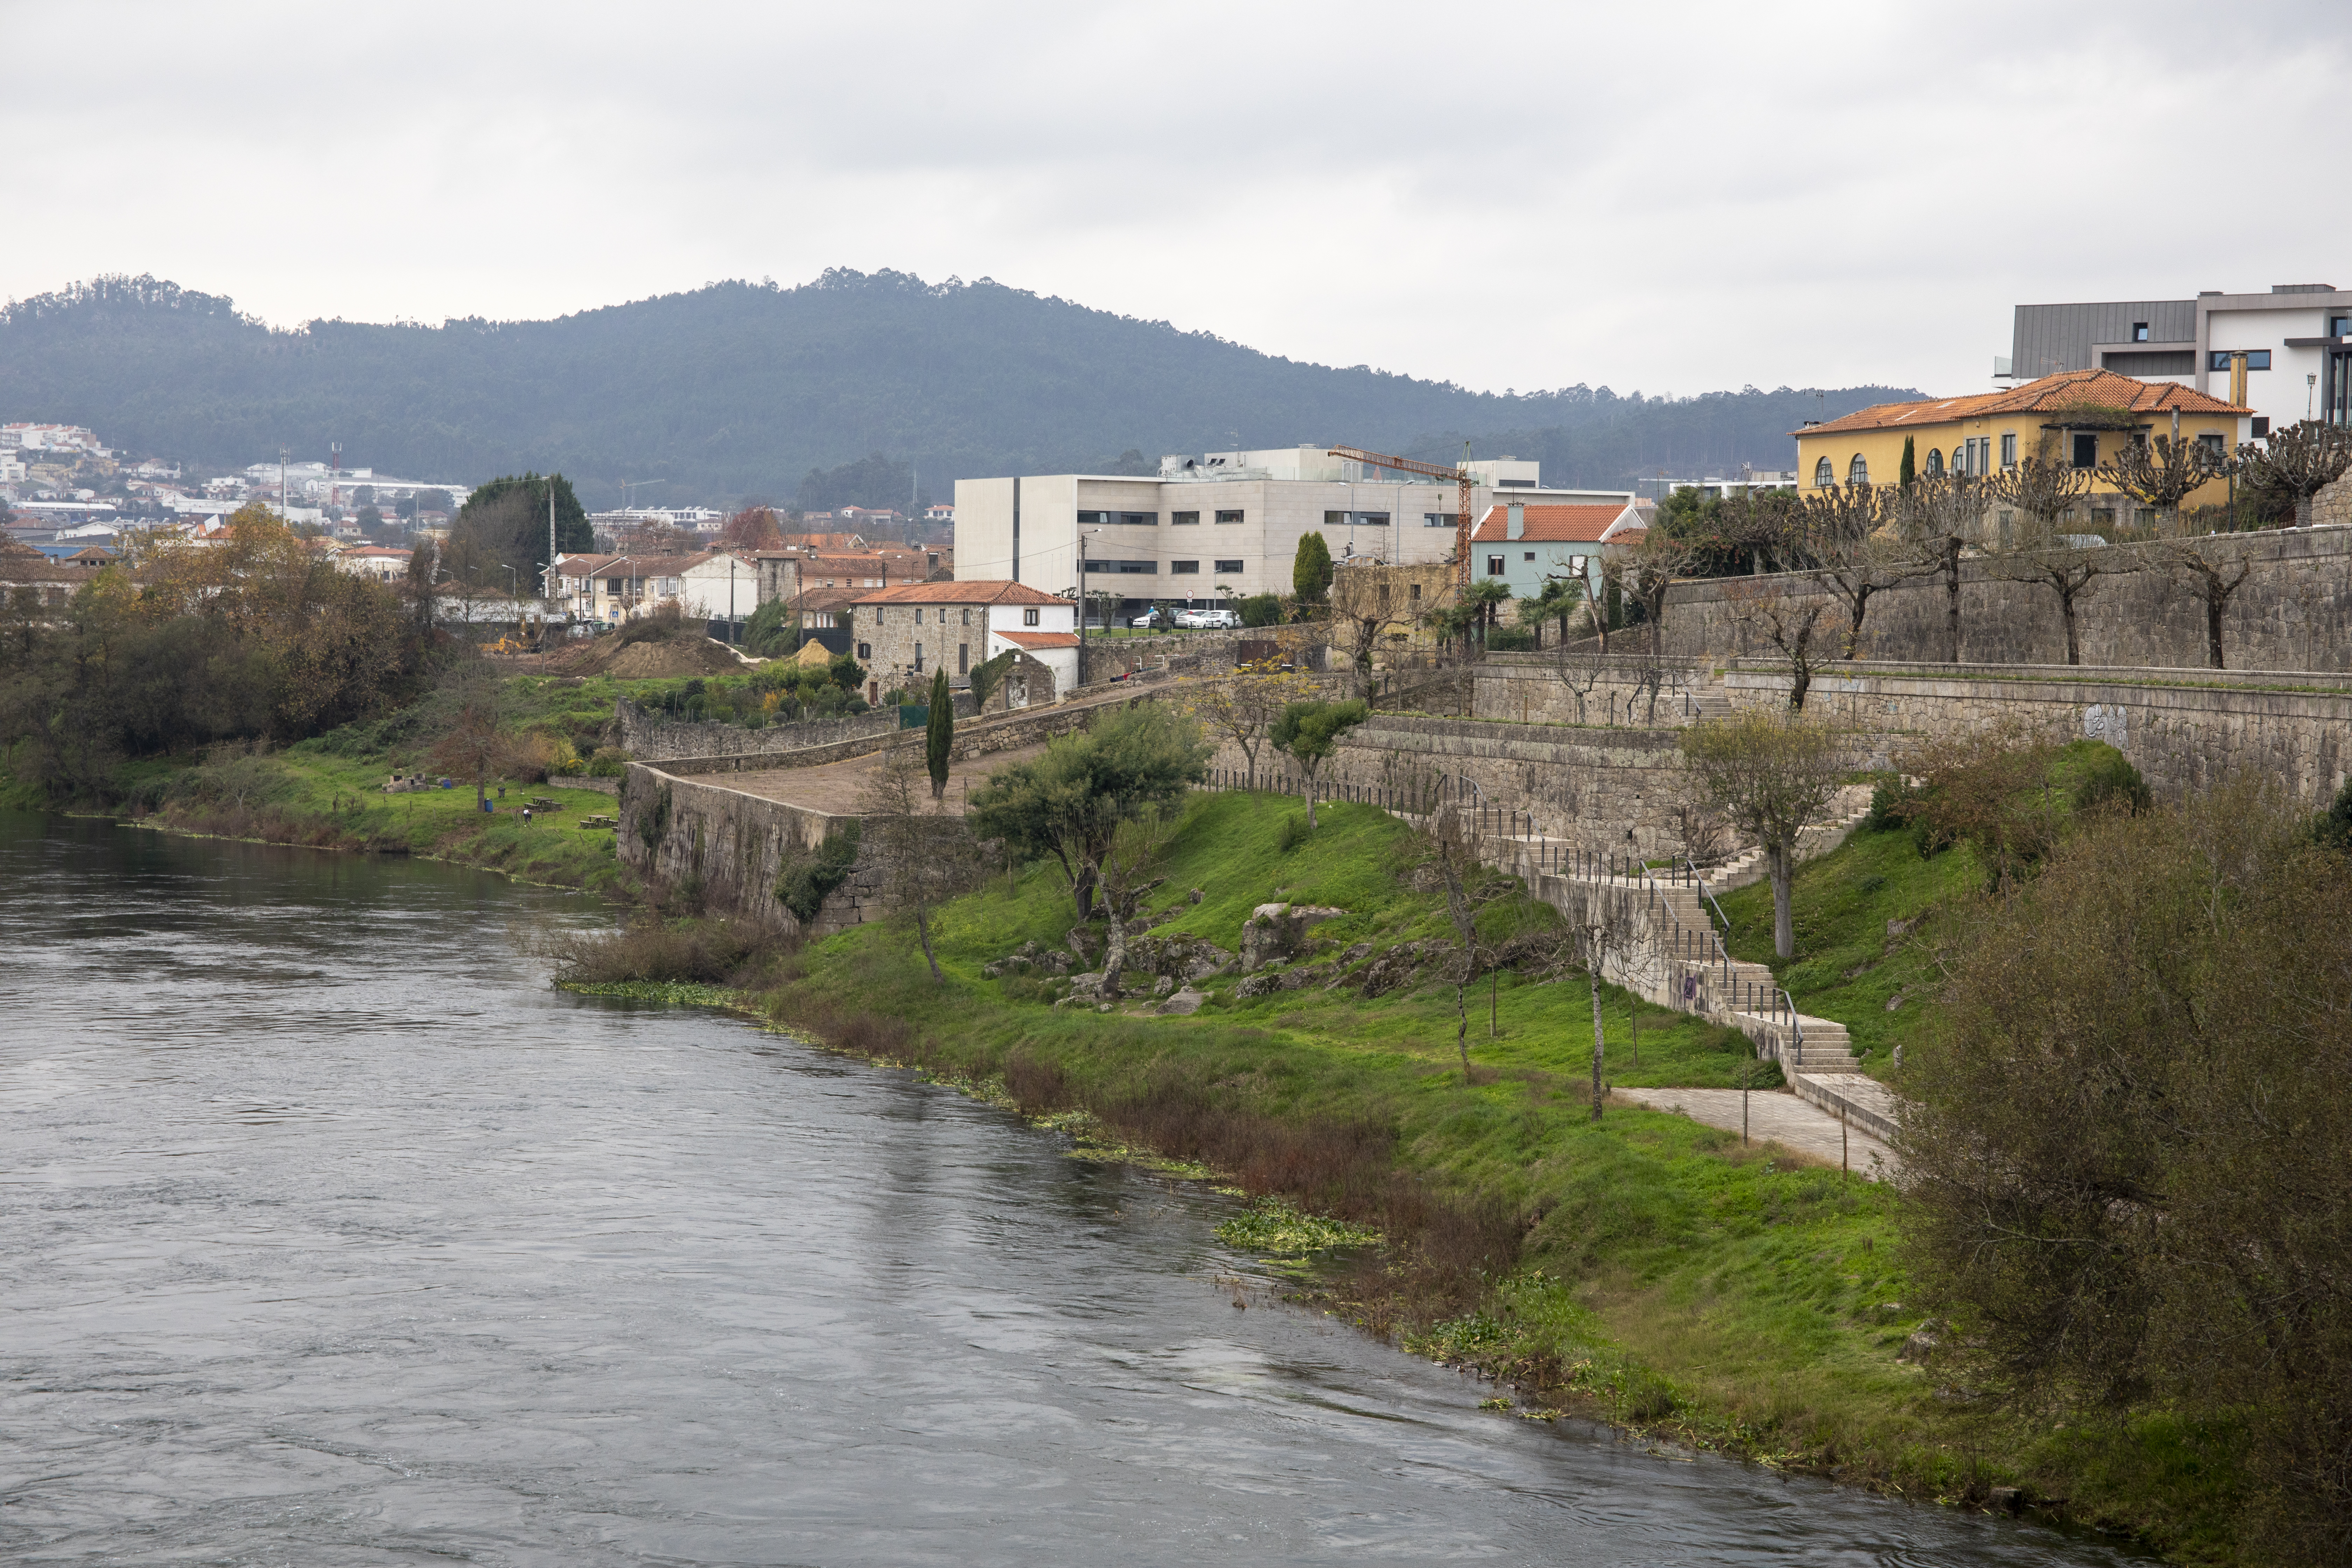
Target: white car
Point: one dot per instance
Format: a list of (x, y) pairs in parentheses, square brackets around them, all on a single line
[(1208, 620), (1145, 621)]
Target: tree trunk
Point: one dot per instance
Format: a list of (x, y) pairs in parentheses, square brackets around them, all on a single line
[(1635, 1028), (1952, 601), (1311, 802), (2302, 511), (1082, 889), (1114, 951), (923, 930), (2074, 646), (2215, 604), (1592, 973), (1801, 680), (1462, 1019), (1782, 860)]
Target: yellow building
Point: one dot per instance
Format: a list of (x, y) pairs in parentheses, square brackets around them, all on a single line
[(2079, 417)]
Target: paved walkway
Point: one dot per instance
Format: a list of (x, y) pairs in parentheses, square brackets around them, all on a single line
[(833, 787), (1773, 1114)]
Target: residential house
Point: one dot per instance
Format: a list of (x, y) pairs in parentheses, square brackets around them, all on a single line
[(2082, 417), (375, 563), (30, 579), (902, 634), (1526, 544)]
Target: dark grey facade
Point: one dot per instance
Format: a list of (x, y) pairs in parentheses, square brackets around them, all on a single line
[(2142, 338)]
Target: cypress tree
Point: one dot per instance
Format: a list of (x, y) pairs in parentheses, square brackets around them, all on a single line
[(938, 735), (1311, 570), (1906, 472)]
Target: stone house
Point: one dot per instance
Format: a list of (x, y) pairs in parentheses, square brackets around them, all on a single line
[(902, 634)]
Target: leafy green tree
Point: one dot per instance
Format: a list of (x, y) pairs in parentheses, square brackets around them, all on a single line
[(1773, 775), (1907, 469), (845, 671), (1310, 570), (1070, 801), (505, 522), (1484, 600), (938, 734), (1308, 733), (1261, 610)]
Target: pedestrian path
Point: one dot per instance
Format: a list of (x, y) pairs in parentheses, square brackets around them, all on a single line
[(1777, 1116)]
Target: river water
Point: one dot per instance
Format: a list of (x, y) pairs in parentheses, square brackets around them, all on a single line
[(331, 1234)]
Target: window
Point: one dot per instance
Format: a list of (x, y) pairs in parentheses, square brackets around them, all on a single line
[(967, 618), (1436, 520), (1494, 566), (2339, 326), (1028, 617), (918, 614), (1823, 475), (877, 615), (1858, 472), (1335, 520), (1229, 517), (1127, 568), (1183, 568), (1140, 519), (1415, 594), (2256, 359), (1094, 519), (2211, 442), (865, 650), (1934, 462), (2140, 331), (2086, 449), (1225, 566), (1530, 555), (918, 659), (1184, 519), (612, 584), (963, 659), (2008, 449)]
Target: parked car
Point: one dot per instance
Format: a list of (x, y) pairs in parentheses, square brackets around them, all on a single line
[(1208, 620), (1145, 621)]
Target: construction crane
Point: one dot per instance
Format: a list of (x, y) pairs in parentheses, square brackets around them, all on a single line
[(1463, 480)]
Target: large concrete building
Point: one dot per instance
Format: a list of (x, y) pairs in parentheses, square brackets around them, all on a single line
[(1221, 526), (2295, 341)]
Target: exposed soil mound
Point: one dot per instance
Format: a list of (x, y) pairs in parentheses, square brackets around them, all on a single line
[(678, 655)]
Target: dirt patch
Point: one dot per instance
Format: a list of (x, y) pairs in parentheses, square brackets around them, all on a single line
[(648, 660)]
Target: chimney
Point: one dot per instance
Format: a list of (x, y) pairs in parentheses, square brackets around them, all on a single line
[(1518, 526)]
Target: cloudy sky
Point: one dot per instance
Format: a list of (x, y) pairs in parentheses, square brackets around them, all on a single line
[(1672, 198)]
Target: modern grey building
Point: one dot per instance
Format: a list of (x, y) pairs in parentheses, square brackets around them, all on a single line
[(2296, 341)]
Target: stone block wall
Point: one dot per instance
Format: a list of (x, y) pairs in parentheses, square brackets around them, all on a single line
[(653, 738), (1103, 658), (735, 847), (1618, 691), (2294, 612), (2332, 508), (2184, 731)]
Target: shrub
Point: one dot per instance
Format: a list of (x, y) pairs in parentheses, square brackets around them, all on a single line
[(1261, 610), (1510, 639), (609, 762), (1890, 805), (808, 880), (2098, 775), (1294, 832)]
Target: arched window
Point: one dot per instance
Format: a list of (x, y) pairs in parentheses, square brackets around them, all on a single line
[(1934, 462), (1858, 472), (1823, 475)]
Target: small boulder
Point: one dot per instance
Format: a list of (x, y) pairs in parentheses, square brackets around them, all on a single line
[(1279, 930), (1923, 1340), (1184, 1001), (1163, 986)]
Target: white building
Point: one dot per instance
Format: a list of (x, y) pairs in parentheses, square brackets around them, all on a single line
[(373, 563), (2296, 344), (54, 438), (1220, 526)]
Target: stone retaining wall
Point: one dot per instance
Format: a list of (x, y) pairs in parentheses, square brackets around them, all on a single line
[(653, 738), (2294, 612), (2185, 731), (735, 847), (1618, 690)]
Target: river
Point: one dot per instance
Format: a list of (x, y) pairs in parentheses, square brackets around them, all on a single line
[(334, 1236)]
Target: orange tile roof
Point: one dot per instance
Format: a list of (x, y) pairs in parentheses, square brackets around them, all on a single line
[(1039, 640), (2052, 394), (979, 592), (1551, 524)]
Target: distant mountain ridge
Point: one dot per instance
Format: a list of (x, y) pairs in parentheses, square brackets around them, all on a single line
[(737, 390)]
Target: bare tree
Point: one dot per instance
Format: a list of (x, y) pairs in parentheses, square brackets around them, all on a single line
[(1450, 851), (1858, 555), (2044, 489), (1799, 622), (2298, 462), (2210, 580), (2163, 473), (1644, 570), (1137, 851), (926, 855), (1579, 667), (1774, 776), (1242, 709), (2069, 567), (1367, 601), (1936, 518)]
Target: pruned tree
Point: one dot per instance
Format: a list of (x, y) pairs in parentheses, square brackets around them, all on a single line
[(475, 748), (2298, 462), (1310, 731), (1800, 624), (1643, 570), (1773, 775), (2069, 567), (2163, 472), (2044, 489), (1857, 554), (1579, 669), (2210, 579), (925, 855), (1936, 519)]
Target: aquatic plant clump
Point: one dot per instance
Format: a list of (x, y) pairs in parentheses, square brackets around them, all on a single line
[(1273, 1229)]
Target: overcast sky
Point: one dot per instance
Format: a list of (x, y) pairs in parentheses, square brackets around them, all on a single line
[(1669, 198)]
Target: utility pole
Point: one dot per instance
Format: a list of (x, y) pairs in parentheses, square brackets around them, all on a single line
[(284, 516)]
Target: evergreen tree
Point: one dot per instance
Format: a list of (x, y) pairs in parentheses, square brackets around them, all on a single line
[(1906, 470), (938, 735), (1311, 570)]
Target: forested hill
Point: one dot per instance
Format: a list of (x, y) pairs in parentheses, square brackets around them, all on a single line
[(739, 390)]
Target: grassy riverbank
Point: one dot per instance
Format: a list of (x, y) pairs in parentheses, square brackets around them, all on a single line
[(1644, 1269)]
